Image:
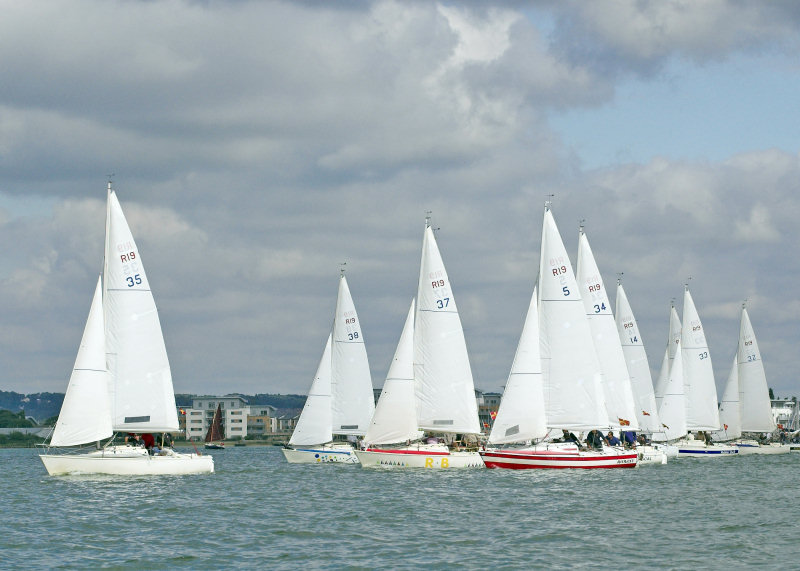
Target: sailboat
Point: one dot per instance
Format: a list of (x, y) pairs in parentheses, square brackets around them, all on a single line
[(700, 393), (340, 401), (121, 381), (431, 351), (214, 436), (746, 407), (640, 379), (673, 341), (571, 378)]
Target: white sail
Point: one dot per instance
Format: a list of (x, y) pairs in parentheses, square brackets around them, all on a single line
[(698, 375), (395, 418), (142, 398), (673, 341), (729, 410), (638, 366), (521, 415), (616, 380), (352, 399), (445, 389), (756, 408), (85, 415), (673, 404), (570, 368), (314, 424)]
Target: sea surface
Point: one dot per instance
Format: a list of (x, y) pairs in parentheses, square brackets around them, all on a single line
[(257, 511)]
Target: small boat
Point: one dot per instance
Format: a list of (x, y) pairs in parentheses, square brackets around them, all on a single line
[(340, 401), (214, 439), (746, 406), (429, 386), (121, 381), (555, 380), (701, 413)]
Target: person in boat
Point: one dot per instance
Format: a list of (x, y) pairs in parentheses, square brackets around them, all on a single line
[(612, 440), (132, 439), (567, 436), (149, 441), (167, 440), (594, 439), (629, 438)]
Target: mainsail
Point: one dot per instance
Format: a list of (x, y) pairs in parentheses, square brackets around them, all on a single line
[(352, 398), (616, 380), (445, 390), (571, 371), (141, 393), (700, 391)]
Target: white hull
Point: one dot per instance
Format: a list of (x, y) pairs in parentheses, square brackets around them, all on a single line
[(699, 449), (652, 455), (326, 454), (437, 457), (670, 450), (127, 461), (558, 457), (752, 447)]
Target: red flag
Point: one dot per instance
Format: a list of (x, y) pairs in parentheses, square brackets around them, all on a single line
[(623, 422), (183, 411), (493, 414), (644, 412), (726, 426), (486, 425)]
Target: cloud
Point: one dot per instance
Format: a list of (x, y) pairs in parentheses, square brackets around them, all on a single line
[(256, 146)]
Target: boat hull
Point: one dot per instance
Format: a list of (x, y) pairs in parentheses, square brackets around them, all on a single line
[(127, 463), (419, 458), (756, 448), (697, 449), (555, 458), (651, 455), (337, 454)]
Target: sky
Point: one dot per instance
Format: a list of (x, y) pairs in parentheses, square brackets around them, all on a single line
[(256, 146)]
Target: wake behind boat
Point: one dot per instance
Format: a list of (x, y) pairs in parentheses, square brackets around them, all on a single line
[(121, 380)]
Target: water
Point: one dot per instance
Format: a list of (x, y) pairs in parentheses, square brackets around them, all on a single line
[(259, 511)]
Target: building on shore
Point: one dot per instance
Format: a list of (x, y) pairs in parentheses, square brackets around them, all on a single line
[(239, 418)]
